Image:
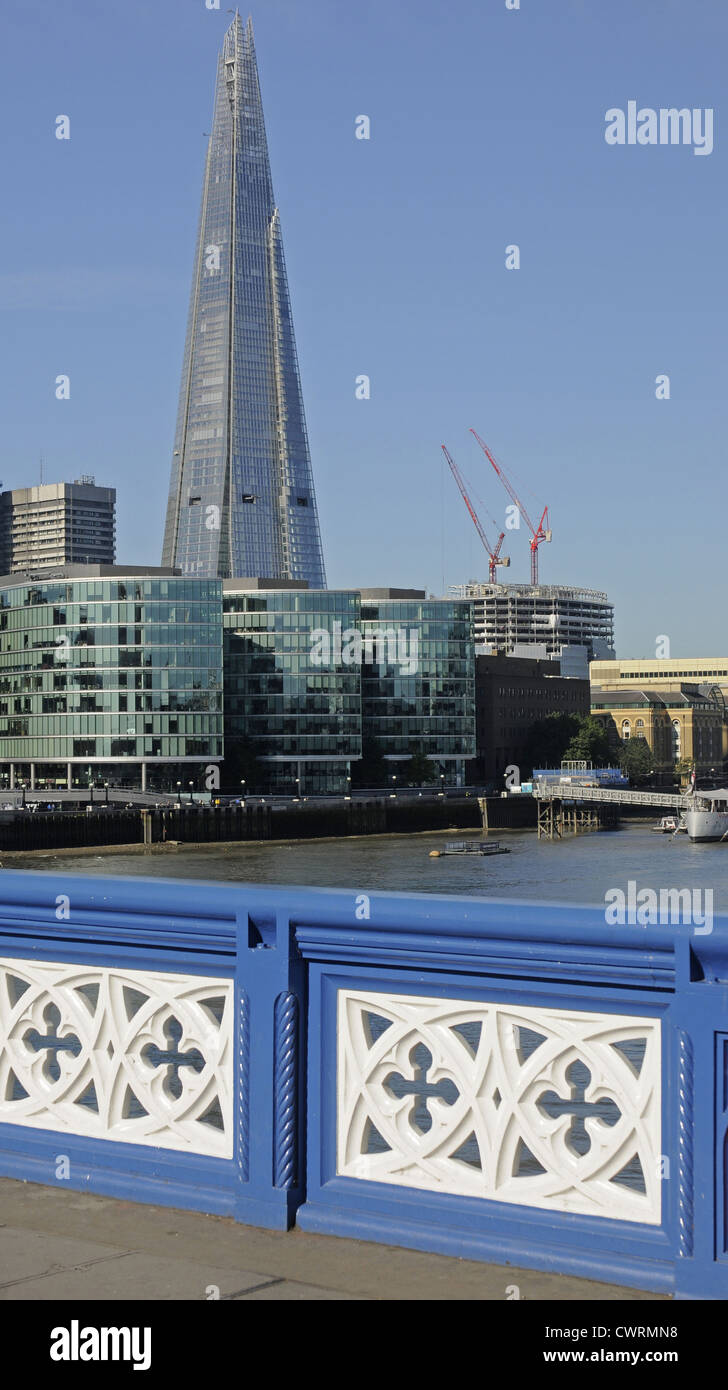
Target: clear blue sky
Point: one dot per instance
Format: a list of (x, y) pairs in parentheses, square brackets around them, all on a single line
[(487, 129)]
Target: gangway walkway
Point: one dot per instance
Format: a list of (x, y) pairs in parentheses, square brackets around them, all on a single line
[(626, 796), (576, 806)]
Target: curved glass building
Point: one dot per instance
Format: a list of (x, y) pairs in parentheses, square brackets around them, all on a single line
[(241, 499), (294, 719), (110, 675)]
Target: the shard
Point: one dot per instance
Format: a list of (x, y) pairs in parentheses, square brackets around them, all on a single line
[(241, 499)]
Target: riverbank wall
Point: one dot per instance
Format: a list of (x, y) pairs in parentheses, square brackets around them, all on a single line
[(254, 821)]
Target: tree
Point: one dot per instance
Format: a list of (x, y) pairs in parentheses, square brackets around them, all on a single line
[(370, 770), (420, 769), (591, 743), (241, 765), (547, 738), (682, 769), (635, 759)]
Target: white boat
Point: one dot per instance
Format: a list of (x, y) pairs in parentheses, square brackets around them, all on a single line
[(668, 825), (707, 818)]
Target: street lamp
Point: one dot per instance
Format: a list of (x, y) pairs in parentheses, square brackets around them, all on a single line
[(394, 784), (179, 793), (192, 800), (242, 790), (298, 787), (442, 784)]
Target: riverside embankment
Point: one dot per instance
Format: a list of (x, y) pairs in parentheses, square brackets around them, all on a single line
[(257, 820)]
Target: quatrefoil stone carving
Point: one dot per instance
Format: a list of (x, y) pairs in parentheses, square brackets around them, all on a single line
[(135, 1056), (546, 1107)]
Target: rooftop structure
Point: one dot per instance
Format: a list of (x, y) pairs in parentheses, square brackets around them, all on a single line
[(507, 616), (56, 524), (660, 673)]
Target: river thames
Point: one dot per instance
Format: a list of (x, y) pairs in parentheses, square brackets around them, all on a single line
[(577, 869)]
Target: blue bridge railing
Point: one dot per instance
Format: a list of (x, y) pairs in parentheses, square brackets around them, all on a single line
[(499, 1081)]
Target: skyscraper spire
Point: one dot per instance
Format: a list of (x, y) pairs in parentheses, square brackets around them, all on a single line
[(241, 500)]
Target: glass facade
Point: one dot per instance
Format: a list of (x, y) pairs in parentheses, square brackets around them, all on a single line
[(300, 717), (241, 500), (111, 668), (422, 694)]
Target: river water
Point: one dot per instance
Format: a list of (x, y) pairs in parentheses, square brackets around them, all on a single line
[(577, 869)]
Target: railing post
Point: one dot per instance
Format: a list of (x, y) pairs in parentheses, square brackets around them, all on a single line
[(701, 1112), (270, 1065)]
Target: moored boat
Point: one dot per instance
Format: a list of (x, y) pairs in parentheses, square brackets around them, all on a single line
[(668, 825), (484, 847), (707, 818)]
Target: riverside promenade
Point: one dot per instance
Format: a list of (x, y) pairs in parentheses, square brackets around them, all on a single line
[(60, 1245)]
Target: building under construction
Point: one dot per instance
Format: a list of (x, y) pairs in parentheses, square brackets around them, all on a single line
[(511, 617)]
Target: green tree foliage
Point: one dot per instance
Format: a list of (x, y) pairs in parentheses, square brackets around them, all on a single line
[(241, 763), (635, 759), (420, 769), (370, 770), (547, 738), (591, 742)]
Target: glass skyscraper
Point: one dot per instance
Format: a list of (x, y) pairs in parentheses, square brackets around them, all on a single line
[(241, 500)]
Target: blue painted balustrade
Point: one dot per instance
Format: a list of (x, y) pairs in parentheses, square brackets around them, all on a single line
[(498, 1081), (149, 1043)]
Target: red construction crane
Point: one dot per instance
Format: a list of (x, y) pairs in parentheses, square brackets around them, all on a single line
[(494, 556), (538, 533)]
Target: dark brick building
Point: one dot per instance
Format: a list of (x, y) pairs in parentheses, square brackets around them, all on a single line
[(511, 693)]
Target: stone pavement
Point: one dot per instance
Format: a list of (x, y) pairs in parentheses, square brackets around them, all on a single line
[(57, 1244)]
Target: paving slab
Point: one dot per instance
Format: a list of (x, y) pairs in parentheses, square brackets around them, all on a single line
[(27, 1254), (284, 1290), (173, 1254), (74, 1270)]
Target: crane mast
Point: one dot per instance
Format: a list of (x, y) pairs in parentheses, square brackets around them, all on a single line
[(539, 533), (494, 556)]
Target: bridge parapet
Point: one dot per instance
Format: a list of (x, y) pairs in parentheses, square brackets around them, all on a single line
[(512, 1082)]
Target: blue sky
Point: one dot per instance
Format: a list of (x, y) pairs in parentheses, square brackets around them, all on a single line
[(487, 129)]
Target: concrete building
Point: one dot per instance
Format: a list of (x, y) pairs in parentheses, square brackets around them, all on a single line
[(682, 723), (660, 673), (511, 694), (110, 674), (507, 616), (55, 524)]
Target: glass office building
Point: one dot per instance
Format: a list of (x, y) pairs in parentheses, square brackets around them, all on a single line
[(110, 675), (418, 687), (292, 707), (241, 499)]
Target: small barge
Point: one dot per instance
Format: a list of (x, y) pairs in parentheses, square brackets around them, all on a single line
[(483, 847)]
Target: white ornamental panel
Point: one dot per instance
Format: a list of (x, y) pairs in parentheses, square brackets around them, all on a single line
[(131, 1055), (549, 1108)]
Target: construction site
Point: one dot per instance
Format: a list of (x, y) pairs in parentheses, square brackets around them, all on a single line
[(529, 619)]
